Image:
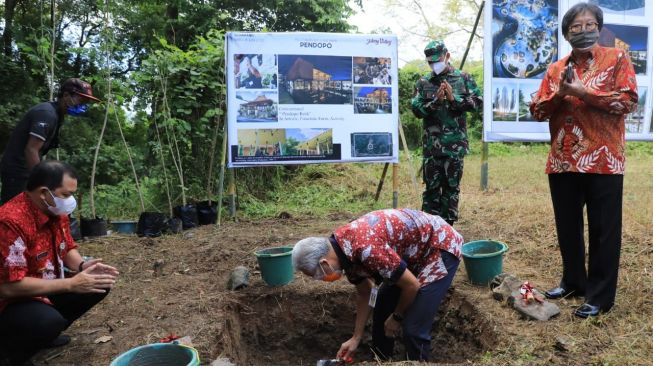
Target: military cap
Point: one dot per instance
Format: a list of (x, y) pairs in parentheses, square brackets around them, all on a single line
[(434, 50)]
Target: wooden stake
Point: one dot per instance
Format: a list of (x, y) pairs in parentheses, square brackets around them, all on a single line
[(380, 186), (410, 160)]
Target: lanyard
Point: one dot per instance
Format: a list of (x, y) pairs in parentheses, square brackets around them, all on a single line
[(58, 270)]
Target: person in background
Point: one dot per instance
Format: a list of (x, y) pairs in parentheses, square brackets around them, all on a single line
[(37, 300), (38, 132), (412, 255), (442, 99), (585, 97)]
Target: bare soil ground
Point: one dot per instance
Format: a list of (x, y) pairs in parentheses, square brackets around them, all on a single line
[(297, 324)]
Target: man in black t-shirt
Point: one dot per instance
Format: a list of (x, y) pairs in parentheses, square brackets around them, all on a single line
[(38, 132)]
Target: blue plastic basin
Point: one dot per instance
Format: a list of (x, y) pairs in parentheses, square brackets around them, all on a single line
[(483, 260), (125, 227), (158, 354)]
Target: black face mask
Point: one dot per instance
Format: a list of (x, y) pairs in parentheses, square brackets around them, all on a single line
[(582, 40)]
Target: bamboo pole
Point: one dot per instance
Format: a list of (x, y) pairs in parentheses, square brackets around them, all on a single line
[(231, 192), (410, 159), (214, 143), (52, 47), (161, 154), (53, 9), (485, 148), (175, 160), (222, 168), (131, 161), (106, 113), (380, 185)]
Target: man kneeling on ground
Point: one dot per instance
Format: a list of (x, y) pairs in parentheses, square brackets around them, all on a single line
[(413, 254), (37, 300)]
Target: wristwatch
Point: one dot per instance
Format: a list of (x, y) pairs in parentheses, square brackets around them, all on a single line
[(397, 317)]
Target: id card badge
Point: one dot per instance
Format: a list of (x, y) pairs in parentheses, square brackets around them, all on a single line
[(61, 269), (373, 293)]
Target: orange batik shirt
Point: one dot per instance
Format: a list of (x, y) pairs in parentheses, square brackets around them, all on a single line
[(588, 134)]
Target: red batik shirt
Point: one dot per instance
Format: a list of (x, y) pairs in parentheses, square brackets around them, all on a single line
[(385, 243), (587, 136), (32, 244)]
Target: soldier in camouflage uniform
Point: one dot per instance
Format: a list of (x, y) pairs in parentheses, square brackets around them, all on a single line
[(442, 99)]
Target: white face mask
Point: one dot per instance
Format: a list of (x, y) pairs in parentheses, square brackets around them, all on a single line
[(438, 67), (62, 206)]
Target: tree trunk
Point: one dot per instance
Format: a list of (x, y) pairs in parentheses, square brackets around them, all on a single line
[(7, 36), (172, 13)]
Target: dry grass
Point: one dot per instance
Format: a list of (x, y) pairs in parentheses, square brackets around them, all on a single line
[(189, 297), (517, 210)]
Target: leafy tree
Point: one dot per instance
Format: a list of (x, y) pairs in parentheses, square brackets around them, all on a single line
[(179, 41)]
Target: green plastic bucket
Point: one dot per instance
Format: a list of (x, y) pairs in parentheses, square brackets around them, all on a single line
[(276, 265), (159, 354), (483, 260)]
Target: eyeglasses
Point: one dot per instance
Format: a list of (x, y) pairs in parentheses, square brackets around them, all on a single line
[(589, 27)]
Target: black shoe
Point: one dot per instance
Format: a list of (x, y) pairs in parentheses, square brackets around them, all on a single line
[(61, 340), (587, 310), (560, 292)]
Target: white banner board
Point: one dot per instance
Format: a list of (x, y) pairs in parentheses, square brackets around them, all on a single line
[(524, 37), (299, 98)]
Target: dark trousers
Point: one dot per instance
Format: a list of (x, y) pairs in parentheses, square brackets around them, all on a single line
[(418, 319), (11, 187), (442, 176), (28, 326), (602, 194)]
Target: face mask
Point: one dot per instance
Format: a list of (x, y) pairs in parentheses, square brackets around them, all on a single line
[(583, 40), (438, 67), (77, 110), (62, 206), (331, 277)]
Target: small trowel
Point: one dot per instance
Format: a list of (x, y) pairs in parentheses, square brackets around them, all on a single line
[(335, 362)]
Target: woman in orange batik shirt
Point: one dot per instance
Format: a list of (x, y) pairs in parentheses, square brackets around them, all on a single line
[(585, 97)]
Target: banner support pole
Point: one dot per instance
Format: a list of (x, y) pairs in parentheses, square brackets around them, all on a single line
[(484, 166), (395, 184), (231, 192), (485, 153), (410, 160)]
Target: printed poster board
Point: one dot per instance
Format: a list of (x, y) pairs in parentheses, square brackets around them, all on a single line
[(525, 38), (300, 98)]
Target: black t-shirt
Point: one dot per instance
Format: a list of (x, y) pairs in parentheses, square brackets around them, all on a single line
[(41, 121)]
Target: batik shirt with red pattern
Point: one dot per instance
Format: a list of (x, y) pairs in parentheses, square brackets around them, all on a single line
[(588, 135), (32, 244), (386, 242)]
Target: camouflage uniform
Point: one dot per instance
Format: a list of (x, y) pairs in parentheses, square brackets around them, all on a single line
[(444, 141)]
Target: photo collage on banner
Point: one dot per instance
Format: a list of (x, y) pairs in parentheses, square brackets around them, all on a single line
[(297, 98), (627, 25), (526, 39), (524, 43)]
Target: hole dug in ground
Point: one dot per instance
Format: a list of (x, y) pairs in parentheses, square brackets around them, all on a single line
[(297, 328)]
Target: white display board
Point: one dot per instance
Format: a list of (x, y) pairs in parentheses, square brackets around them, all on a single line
[(524, 37), (299, 98)]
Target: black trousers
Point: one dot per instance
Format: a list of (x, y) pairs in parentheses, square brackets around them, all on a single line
[(419, 317), (11, 187), (28, 326), (602, 195)]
